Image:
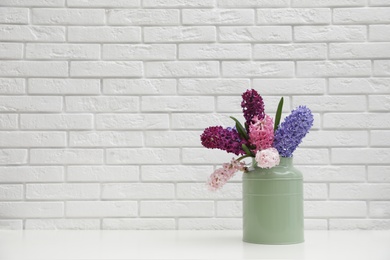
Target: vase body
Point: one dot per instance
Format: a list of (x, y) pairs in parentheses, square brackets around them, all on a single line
[(273, 204)]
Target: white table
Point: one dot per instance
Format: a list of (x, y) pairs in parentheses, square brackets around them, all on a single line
[(70, 245)]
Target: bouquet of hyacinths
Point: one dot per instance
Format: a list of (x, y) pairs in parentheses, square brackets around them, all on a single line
[(260, 138)]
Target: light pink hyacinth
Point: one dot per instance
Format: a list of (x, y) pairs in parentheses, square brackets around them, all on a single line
[(261, 133), (221, 175), (267, 158)]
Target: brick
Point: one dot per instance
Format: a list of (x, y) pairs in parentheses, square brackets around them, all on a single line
[(10, 86), (379, 3), (380, 32), (294, 16), (143, 17), (356, 121), (102, 173), (182, 69), (62, 224), (106, 69), (101, 209), (172, 138), (8, 121), (379, 103), (66, 156), (333, 173), (177, 3), (316, 224), (174, 173), (33, 3), (30, 104), (315, 191), (333, 33), (68, 16), (104, 3), (199, 191), (381, 68), (336, 139), (204, 156), (214, 51), (56, 121), (335, 209), (138, 191), (11, 224), (132, 121), (378, 173), (182, 103), (290, 86), (105, 139), (218, 16), (139, 51), (177, 209), (11, 50), (104, 34), (213, 86), (233, 104), (359, 85), (47, 51), (32, 139), (315, 156), (102, 104), (359, 224), (229, 209), (380, 209), (359, 50), (251, 3), (180, 34), (328, 3), (257, 69), (13, 156), (360, 155), (361, 15), (32, 33), (210, 223), (64, 86), (380, 138), (143, 156), (23, 174), (199, 121), (139, 224), (332, 103), (139, 86), (337, 68), (62, 191), (11, 192), (31, 209), (359, 191), (314, 51), (34, 68), (255, 34)]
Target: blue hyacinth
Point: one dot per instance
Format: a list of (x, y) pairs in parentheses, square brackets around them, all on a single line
[(291, 132)]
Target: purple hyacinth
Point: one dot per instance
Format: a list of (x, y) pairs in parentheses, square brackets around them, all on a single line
[(291, 132), (252, 105), (216, 137)]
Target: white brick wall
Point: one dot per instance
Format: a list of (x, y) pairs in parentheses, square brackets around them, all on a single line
[(102, 103)]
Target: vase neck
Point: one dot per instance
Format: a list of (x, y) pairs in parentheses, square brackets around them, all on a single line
[(286, 161)]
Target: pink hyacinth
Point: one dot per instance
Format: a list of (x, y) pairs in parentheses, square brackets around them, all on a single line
[(267, 158), (221, 175), (261, 132)]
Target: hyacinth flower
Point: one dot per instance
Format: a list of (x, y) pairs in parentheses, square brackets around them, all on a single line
[(291, 132), (216, 137), (221, 175), (261, 132), (252, 105)]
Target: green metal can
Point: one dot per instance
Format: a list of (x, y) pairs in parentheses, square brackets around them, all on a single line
[(273, 204)]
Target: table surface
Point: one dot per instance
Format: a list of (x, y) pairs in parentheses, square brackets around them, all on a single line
[(98, 245)]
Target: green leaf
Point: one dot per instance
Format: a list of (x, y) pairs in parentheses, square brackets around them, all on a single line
[(278, 114), (246, 149), (240, 129)]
